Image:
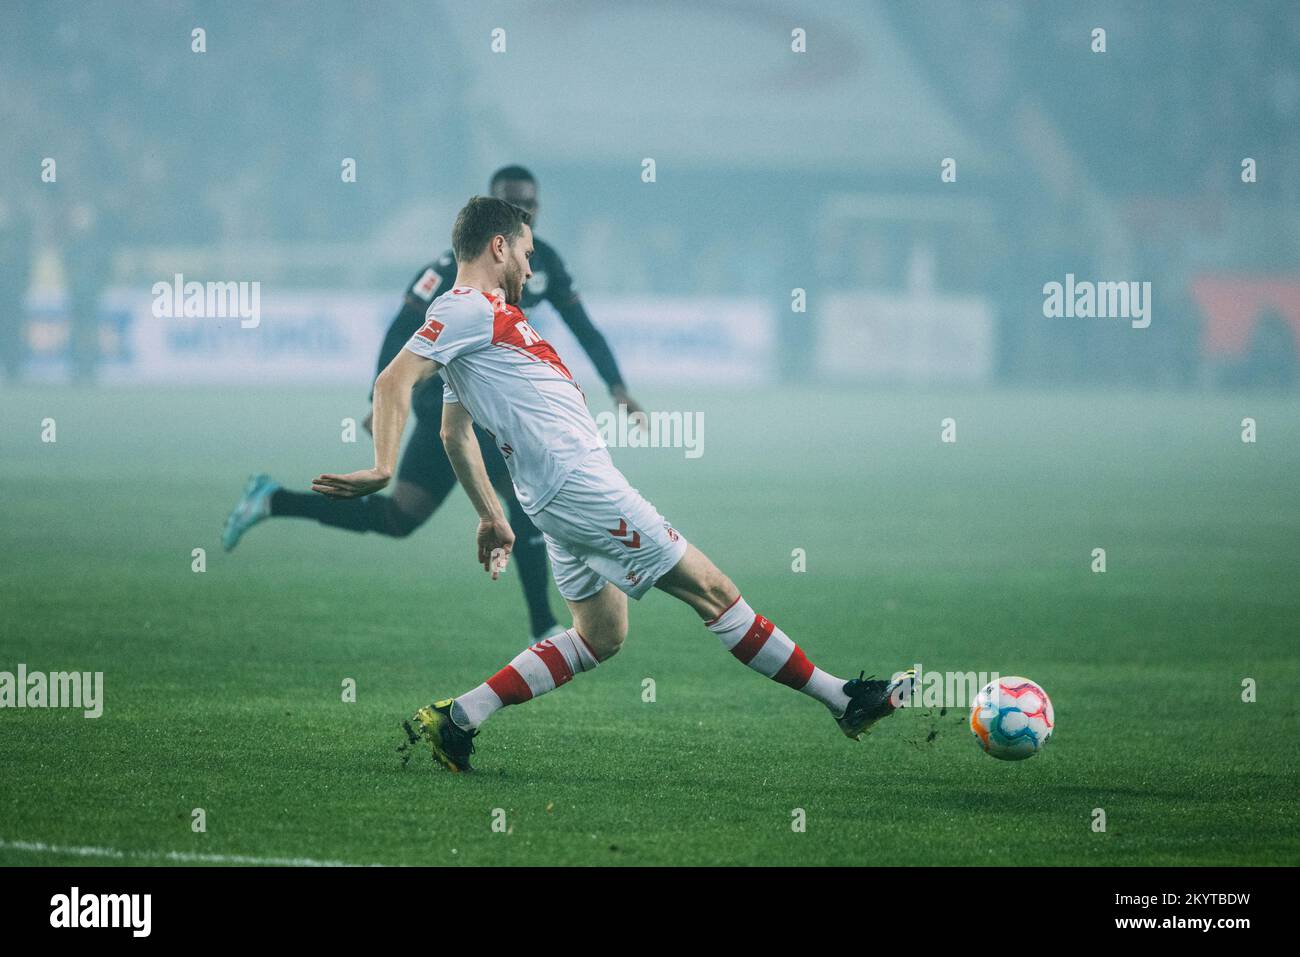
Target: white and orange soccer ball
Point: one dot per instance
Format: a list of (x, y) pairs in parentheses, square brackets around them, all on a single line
[(1012, 718)]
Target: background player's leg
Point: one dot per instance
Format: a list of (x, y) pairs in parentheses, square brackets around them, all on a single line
[(529, 551), (599, 627), (396, 515), (751, 638), (424, 479)]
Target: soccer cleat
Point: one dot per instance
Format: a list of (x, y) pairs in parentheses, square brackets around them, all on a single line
[(452, 745), (871, 699), (253, 506)]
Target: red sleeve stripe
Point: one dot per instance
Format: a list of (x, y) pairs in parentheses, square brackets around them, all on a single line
[(754, 640)]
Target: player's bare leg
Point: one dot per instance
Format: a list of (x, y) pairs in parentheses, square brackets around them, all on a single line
[(856, 704), (599, 628), (601, 621), (700, 583), (449, 726)]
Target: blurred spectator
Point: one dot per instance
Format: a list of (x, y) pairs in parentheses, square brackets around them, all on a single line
[(15, 271), (87, 263)]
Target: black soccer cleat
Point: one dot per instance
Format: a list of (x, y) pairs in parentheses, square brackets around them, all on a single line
[(871, 699), (452, 745)]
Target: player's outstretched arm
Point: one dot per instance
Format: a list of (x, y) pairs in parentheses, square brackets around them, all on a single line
[(597, 348), (392, 405), (494, 537)]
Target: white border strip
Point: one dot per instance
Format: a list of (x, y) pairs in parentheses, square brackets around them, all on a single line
[(172, 857)]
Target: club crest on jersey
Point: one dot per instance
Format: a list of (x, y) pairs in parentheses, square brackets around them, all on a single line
[(426, 285)]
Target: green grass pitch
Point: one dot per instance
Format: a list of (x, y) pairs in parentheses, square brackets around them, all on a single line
[(223, 689)]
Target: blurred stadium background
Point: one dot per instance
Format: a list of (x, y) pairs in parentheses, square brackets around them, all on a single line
[(775, 171)]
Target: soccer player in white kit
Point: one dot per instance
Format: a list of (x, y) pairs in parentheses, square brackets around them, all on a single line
[(605, 541)]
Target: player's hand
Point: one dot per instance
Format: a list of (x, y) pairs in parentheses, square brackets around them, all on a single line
[(369, 421), (636, 414), (495, 538), (352, 485)]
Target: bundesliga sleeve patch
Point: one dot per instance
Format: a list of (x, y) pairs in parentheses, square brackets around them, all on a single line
[(431, 329), (426, 285)]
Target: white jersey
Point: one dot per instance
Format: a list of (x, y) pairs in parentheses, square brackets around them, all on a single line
[(513, 384)]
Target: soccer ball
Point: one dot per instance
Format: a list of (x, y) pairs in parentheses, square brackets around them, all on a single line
[(1012, 718)]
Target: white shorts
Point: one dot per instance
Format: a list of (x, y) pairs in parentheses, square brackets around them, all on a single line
[(598, 528)]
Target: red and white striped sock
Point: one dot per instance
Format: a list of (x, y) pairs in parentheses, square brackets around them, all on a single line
[(767, 649), (534, 671)]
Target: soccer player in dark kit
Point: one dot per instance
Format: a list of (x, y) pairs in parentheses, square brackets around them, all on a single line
[(425, 476)]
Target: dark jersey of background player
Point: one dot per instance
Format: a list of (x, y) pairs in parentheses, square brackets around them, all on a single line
[(425, 476)]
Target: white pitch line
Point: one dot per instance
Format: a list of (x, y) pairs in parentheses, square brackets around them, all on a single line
[(176, 857)]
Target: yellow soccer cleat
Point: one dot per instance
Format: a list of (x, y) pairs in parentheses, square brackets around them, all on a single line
[(452, 745)]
